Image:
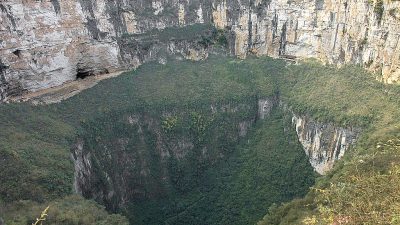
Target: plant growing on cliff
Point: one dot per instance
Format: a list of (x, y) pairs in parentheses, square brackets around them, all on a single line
[(42, 217), (394, 13), (221, 37), (169, 123), (363, 43), (368, 194), (378, 10), (199, 124)]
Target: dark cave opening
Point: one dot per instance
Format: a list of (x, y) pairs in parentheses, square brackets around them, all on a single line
[(18, 53), (82, 74)]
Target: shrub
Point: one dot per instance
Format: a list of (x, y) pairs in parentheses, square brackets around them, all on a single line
[(378, 10)]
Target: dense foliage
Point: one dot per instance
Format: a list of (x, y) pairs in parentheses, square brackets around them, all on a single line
[(36, 140), (34, 154), (193, 137), (178, 96), (268, 167), (362, 188), (72, 210), (264, 168)]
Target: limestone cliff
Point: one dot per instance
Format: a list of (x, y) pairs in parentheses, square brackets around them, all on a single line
[(334, 31), (323, 143), (46, 43)]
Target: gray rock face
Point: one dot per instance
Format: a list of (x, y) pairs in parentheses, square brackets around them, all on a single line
[(337, 32), (265, 106), (323, 143), (46, 43)]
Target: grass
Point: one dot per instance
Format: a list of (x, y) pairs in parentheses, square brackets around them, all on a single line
[(34, 147)]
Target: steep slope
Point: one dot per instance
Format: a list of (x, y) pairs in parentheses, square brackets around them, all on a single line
[(268, 167), (362, 188)]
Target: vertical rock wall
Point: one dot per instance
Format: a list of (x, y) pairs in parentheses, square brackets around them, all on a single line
[(46, 43), (334, 31), (323, 143)]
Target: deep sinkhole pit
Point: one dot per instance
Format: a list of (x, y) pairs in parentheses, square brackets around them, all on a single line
[(178, 143)]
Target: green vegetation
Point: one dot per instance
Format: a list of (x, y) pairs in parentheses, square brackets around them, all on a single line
[(211, 190), (393, 12), (35, 157), (72, 210), (268, 167), (189, 32), (378, 10), (221, 37), (369, 194), (207, 133), (362, 188), (203, 34), (363, 43), (334, 95), (242, 182), (36, 140)]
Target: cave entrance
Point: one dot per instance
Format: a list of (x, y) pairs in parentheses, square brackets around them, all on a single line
[(18, 53), (82, 74)]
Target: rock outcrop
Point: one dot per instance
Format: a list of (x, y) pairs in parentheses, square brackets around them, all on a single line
[(324, 143), (334, 31), (46, 43)]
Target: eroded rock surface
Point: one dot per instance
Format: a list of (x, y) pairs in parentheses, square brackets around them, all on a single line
[(324, 143), (46, 43)]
